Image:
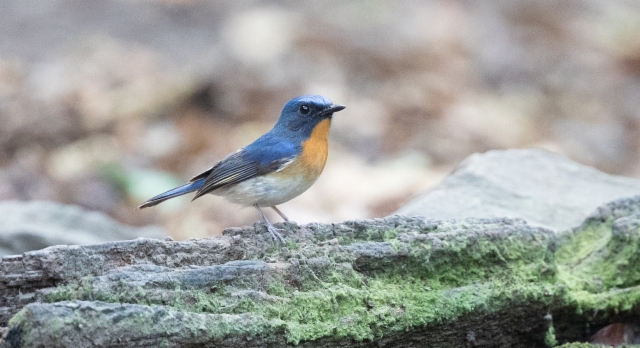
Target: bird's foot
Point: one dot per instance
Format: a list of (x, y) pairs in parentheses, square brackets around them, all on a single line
[(274, 233)]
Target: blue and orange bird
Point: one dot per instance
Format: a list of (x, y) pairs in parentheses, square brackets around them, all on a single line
[(277, 167)]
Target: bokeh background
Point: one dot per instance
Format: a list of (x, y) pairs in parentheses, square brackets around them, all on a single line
[(106, 103)]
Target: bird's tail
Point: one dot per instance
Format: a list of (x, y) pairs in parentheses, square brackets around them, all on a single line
[(178, 191)]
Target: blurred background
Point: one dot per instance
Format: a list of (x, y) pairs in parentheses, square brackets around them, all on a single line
[(106, 103)]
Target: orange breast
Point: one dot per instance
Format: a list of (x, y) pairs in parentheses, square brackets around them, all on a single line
[(314, 154), (316, 149)]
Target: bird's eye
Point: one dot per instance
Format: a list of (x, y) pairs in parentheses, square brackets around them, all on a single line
[(304, 109)]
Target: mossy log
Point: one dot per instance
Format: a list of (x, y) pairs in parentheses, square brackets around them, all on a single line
[(393, 282)]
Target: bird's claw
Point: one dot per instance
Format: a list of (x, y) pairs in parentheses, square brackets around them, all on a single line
[(275, 234)]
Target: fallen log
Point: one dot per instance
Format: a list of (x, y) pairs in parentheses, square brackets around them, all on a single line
[(392, 282)]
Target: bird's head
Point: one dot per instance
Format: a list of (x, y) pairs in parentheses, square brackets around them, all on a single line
[(301, 114)]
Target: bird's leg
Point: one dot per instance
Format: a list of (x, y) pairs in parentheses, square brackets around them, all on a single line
[(280, 213), (270, 227)]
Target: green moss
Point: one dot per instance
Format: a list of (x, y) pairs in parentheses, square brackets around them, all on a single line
[(390, 234), (595, 260), (153, 322), (333, 299), (577, 258), (77, 290), (550, 337), (18, 325), (599, 269), (387, 304), (414, 282), (84, 290), (591, 345), (277, 288), (292, 244)]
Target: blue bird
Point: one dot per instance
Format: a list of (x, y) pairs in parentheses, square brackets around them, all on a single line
[(277, 167)]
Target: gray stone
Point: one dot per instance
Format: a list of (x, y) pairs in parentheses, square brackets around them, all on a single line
[(541, 187), (213, 291), (35, 225), (392, 282)]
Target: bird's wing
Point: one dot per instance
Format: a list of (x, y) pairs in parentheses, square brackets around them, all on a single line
[(264, 156)]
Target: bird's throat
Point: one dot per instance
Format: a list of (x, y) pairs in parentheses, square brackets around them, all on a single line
[(315, 149)]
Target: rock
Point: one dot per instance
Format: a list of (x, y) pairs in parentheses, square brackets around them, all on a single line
[(331, 284), (36, 225), (541, 187), (393, 282), (151, 326)]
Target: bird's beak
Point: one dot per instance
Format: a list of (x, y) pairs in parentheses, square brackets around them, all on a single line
[(333, 108)]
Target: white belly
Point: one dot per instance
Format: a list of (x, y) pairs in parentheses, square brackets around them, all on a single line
[(266, 191)]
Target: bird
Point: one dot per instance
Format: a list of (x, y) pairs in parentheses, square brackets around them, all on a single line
[(277, 167)]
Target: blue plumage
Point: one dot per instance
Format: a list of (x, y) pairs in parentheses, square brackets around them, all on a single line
[(178, 191), (270, 147), (243, 176)]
